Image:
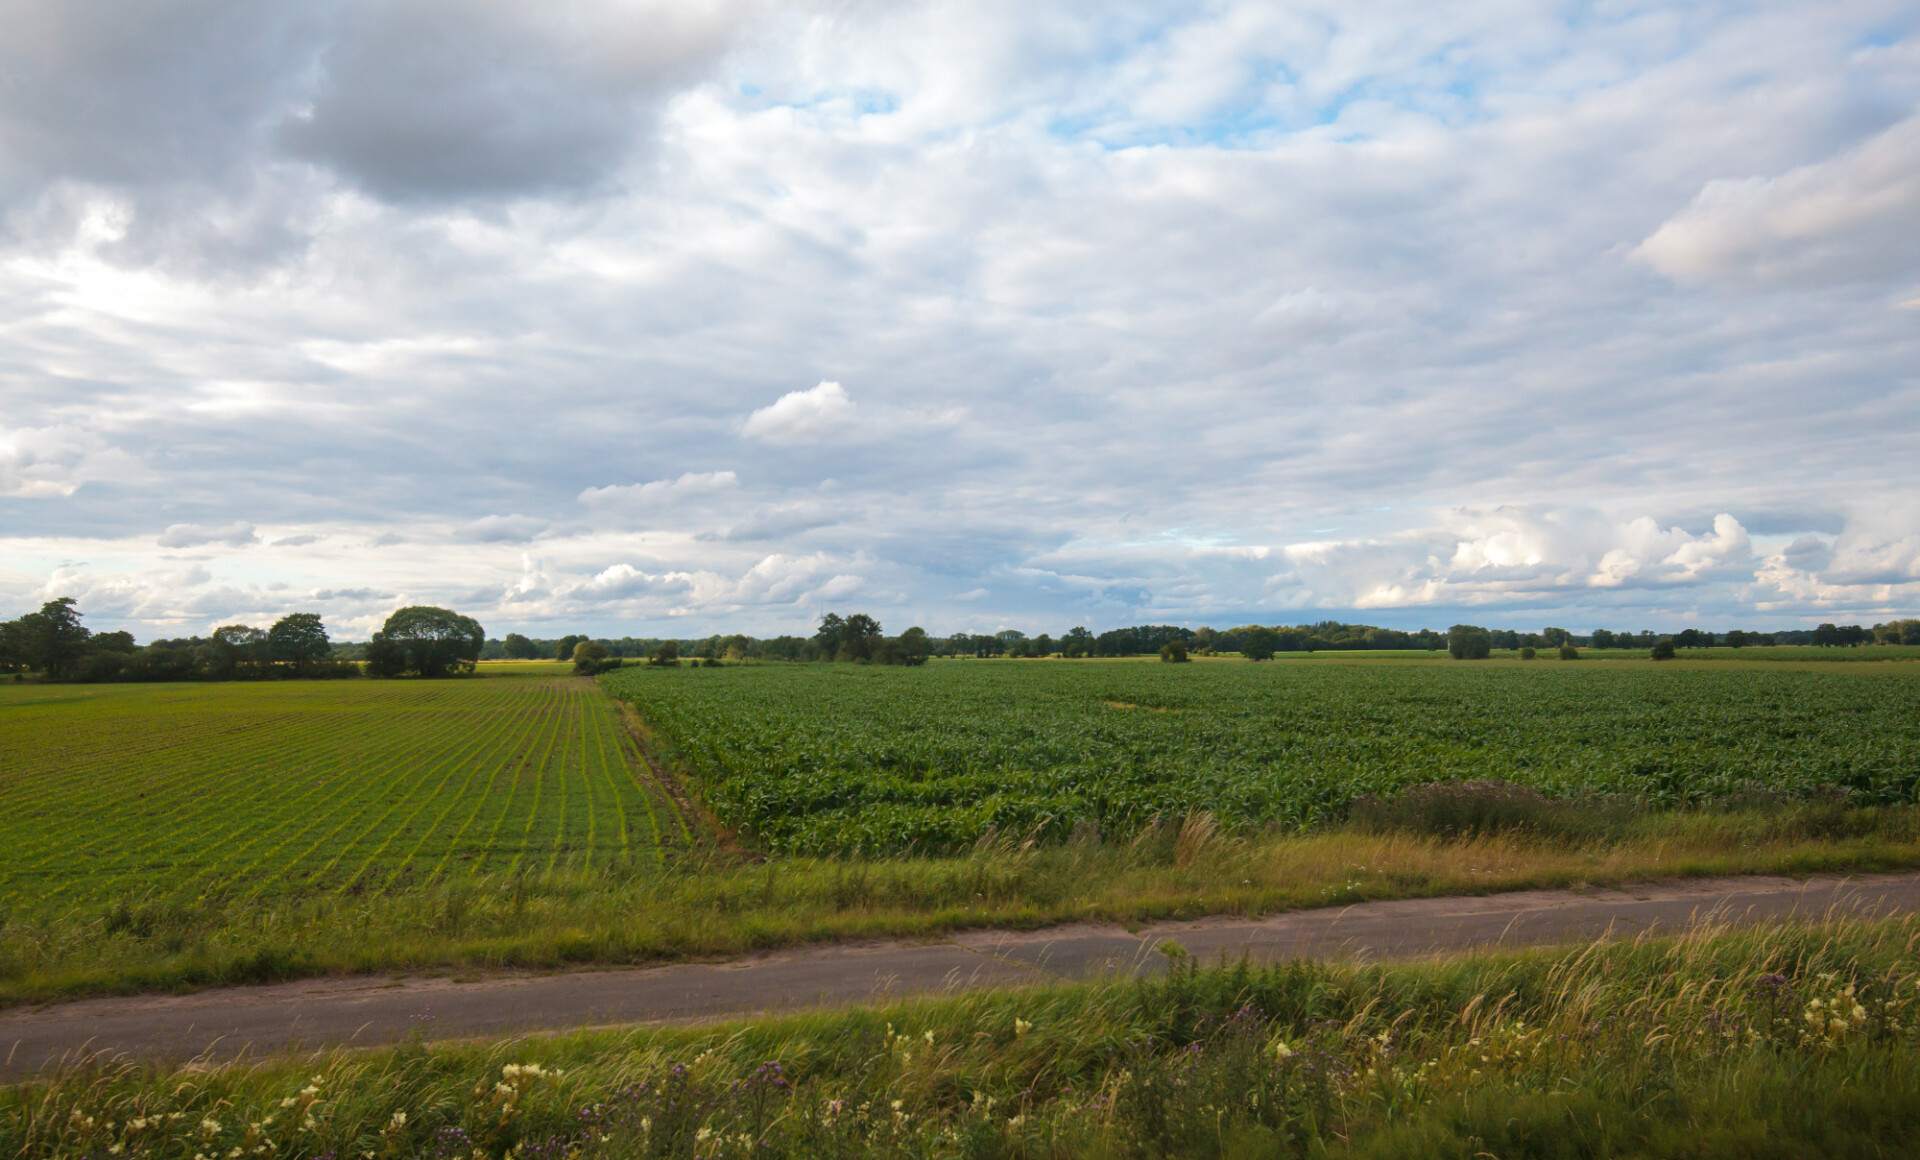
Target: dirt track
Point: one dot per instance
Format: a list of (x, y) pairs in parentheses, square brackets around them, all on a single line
[(368, 1011)]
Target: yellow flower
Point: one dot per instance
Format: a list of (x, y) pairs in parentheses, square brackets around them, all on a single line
[(1021, 1026)]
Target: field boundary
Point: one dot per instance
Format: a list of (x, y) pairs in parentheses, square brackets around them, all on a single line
[(674, 784)]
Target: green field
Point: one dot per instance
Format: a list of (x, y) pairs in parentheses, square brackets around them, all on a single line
[(352, 788), (840, 758)]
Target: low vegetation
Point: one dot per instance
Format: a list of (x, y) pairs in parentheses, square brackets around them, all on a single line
[(1776, 1041), (866, 761)]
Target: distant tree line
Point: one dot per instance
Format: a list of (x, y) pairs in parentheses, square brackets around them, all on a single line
[(55, 643), (858, 638), (421, 641)]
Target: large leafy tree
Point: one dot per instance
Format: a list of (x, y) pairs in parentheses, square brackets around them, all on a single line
[(1259, 643), (1468, 642), (520, 648), (299, 638), (429, 641), (52, 640)]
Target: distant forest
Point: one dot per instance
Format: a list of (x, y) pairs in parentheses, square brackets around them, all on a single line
[(429, 641)]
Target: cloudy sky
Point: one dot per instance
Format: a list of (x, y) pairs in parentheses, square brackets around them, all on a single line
[(658, 316)]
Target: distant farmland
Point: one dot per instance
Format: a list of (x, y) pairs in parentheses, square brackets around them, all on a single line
[(849, 759), (253, 791)]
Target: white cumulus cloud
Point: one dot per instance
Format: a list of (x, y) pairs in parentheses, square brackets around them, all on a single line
[(808, 416)]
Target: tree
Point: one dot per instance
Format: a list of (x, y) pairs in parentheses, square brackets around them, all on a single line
[(425, 640), (563, 648), (113, 642), (1602, 638), (1662, 650), (1569, 653), (913, 646), (1174, 652), (587, 656), (1555, 637), (1078, 642), (665, 655), (857, 636), (299, 638), (1259, 643), (232, 647), (53, 640), (519, 648), (1468, 643), (827, 637)]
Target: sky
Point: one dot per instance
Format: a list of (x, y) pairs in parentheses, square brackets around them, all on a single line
[(666, 317)]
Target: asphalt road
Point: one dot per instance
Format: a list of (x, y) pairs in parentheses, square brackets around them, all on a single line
[(367, 1011)]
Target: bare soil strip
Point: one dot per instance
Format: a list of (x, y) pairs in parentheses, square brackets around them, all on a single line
[(316, 1014)]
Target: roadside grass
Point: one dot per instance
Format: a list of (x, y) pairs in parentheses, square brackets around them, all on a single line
[(1773, 1041), (704, 904)]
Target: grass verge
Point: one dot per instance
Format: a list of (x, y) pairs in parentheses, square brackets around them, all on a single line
[(1780, 1041), (708, 906)]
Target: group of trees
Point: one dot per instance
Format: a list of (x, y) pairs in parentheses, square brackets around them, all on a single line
[(54, 642), (425, 641)]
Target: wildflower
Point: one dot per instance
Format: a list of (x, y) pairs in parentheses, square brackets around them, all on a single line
[(703, 1135), (287, 1103), (210, 1126), (929, 1037), (114, 1150), (1021, 1026), (1281, 1049), (399, 1120), (646, 1123)]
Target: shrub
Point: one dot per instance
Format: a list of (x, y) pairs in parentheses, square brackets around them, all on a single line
[(1569, 653), (1174, 652), (665, 655), (1527, 654), (1661, 651)]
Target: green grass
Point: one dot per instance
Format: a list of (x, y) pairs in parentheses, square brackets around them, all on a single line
[(1779, 1041), (839, 758), (172, 795)]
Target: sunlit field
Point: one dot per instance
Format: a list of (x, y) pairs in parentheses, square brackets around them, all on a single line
[(260, 790)]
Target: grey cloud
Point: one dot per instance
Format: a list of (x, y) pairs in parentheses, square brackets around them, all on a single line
[(298, 541), (1392, 283), (144, 91), (351, 594), (235, 535), (438, 99)]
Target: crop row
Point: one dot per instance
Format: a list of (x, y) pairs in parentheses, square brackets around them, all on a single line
[(237, 791), (842, 758)]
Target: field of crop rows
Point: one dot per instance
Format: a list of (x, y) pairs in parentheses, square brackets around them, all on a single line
[(844, 758), (246, 790)]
